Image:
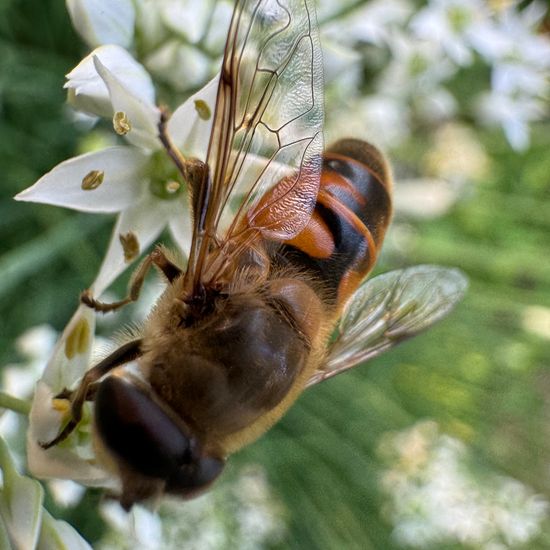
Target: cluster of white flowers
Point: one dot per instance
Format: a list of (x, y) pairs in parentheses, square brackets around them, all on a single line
[(24, 522), (134, 178), (416, 55), (242, 513), (436, 499), (143, 49)]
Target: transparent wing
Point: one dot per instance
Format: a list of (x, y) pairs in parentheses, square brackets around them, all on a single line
[(267, 126), (389, 309)]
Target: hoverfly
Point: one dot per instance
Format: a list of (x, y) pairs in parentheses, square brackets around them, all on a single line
[(284, 235)]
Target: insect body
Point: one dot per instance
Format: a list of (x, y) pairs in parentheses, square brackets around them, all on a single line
[(241, 331)]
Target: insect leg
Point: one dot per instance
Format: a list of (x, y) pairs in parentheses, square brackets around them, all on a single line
[(87, 387), (193, 171), (68, 394), (171, 270), (135, 288)]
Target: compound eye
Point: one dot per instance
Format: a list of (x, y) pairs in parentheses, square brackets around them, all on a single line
[(136, 429), (193, 478)]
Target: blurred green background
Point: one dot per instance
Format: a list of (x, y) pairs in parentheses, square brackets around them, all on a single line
[(483, 375)]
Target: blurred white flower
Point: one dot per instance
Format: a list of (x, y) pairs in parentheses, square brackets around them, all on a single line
[(372, 23), (513, 35), (423, 197), (436, 499), (381, 119), (416, 67), (513, 113), (139, 529), (66, 492), (181, 66), (536, 320), (99, 22), (19, 379), (447, 24), (457, 155), (187, 18), (242, 514), (520, 79), (437, 107), (34, 345)]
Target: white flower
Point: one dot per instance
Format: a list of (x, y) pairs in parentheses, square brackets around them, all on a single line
[(137, 180), (181, 66), (99, 22), (381, 119), (416, 68), (448, 23), (424, 198), (374, 23), (437, 499), (513, 113), (187, 18), (70, 359), (89, 93), (19, 379), (139, 529), (242, 513), (520, 79), (513, 36), (24, 523)]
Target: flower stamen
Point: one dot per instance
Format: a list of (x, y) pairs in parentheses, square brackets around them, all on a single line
[(121, 123), (173, 186), (92, 180), (203, 110), (130, 246), (78, 340)]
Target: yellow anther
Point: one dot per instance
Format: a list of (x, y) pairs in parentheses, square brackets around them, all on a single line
[(172, 186), (203, 109), (130, 245), (92, 180), (61, 405), (121, 123), (78, 340)]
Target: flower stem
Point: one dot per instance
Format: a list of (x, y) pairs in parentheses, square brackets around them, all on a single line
[(14, 404)]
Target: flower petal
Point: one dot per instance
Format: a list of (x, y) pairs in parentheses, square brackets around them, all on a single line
[(189, 131), (59, 535), (181, 228), (145, 220), (20, 503), (99, 22), (72, 353), (67, 461), (87, 91), (117, 171), (143, 117)]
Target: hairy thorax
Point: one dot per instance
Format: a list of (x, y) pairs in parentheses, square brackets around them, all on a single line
[(223, 372)]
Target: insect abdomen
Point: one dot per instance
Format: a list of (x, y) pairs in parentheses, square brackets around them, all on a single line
[(341, 242)]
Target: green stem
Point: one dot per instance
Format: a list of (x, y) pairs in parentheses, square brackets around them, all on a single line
[(14, 404)]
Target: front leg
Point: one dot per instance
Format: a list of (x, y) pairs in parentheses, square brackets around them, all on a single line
[(87, 386), (158, 258)]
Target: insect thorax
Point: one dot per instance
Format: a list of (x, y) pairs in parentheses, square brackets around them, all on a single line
[(229, 368)]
